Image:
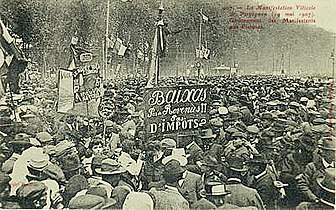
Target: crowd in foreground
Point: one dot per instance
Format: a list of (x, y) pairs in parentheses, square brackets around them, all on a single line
[(269, 144)]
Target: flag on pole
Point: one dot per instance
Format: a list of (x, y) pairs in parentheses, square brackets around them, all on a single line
[(117, 46), (203, 53), (7, 46), (154, 61), (204, 17)]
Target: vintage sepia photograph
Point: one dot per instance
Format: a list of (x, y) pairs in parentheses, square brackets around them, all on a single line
[(167, 104)]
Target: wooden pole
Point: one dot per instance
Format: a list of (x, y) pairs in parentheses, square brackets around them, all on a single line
[(106, 39)]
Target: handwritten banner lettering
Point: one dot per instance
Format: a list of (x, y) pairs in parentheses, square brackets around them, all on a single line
[(175, 109)]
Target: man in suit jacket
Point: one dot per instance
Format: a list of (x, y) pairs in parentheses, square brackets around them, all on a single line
[(190, 186), (326, 159), (194, 154), (241, 195), (261, 180), (170, 197)]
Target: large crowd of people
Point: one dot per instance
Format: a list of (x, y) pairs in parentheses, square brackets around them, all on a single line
[(269, 144)]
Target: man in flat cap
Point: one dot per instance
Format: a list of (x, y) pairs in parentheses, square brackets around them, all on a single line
[(32, 195)]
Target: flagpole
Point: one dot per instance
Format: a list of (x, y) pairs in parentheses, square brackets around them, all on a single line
[(199, 46), (159, 34), (106, 39), (200, 32)]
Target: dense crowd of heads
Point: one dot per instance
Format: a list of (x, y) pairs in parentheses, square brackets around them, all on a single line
[(269, 143)]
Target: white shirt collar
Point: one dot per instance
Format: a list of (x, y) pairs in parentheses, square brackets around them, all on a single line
[(189, 145), (261, 174), (234, 179), (326, 164), (172, 188)]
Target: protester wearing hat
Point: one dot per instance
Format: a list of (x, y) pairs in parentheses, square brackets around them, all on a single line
[(155, 167), (213, 196), (210, 169), (20, 143), (170, 197), (207, 138), (241, 195), (193, 151), (95, 180), (294, 164), (325, 159), (326, 199), (32, 195), (191, 183), (260, 179), (86, 202), (44, 138), (110, 171)]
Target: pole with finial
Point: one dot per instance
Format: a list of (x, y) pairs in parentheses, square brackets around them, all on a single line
[(159, 31), (333, 58)]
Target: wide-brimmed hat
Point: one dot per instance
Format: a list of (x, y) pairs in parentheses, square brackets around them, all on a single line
[(258, 159), (216, 122), (109, 167), (207, 134), (267, 116), (31, 191), (38, 162), (232, 109), (178, 154), (173, 167), (327, 143), (214, 188), (21, 139), (236, 163), (327, 183)]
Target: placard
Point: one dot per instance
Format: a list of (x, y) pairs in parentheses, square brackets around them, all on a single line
[(175, 109)]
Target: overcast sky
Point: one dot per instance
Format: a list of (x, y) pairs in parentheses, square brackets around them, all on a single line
[(325, 10)]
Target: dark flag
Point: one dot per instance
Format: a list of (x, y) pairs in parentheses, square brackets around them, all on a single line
[(13, 58)]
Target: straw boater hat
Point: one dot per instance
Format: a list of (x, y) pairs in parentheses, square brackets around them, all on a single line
[(214, 188)]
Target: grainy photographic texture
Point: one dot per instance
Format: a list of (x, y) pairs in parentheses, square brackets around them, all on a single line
[(167, 105)]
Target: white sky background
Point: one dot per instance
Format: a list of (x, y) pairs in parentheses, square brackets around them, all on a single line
[(325, 10)]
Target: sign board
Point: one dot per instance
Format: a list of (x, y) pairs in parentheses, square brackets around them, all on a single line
[(83, 84), (87, 89), (85, 57), (175, 109)]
